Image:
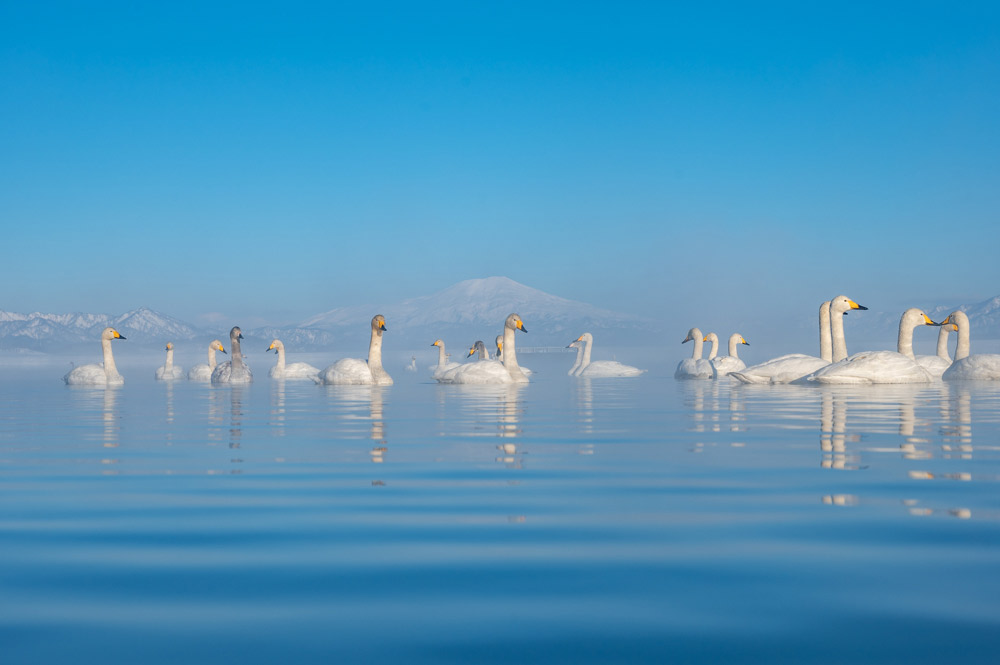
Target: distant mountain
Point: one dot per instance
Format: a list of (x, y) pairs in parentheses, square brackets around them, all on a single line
[(44, 331), (479, 307), (300, 339)]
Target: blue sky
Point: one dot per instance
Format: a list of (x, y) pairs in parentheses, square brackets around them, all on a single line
[(695, 162)]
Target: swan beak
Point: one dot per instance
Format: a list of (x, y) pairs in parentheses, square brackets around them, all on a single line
[(240, 336), (381, 326), (119, 335), (687, 339), (927, 321), (434, 343), (704, 340), (224, 351), (520, 326), (954, 327), (855, 305), (746, 342), (471, 351)]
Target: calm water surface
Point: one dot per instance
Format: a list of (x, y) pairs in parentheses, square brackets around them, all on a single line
[(566, 521)]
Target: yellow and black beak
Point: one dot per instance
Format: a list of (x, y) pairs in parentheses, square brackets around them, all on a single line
[(119, 335), (928, 322), (381, 326), (520, 326), (855, 305), (471, 351)]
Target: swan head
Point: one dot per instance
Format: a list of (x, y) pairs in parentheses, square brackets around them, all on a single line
[(111, 333), (692, 335), (378, 324), (842, 305), (170, 346), (235, 334), (275, 345), (710, 337), (914, 317), (955, 320), (586, 338), (738, 338), (437, 342), (217, 345), (575, 344), (479, 346), (514, 322)]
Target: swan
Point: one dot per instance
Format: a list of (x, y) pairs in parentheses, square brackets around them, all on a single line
[(982, 366), (293, 371), (483, 371), (355, 371), (234, 370), (601, 368), (499, 356), (169, 371), (694, 367), (795, 367), (203, 372), (898, 366), (443, 363), (937, 364), (723, 365), (104, 374)]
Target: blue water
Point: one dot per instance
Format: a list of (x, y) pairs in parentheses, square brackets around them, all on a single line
[(566, 521)]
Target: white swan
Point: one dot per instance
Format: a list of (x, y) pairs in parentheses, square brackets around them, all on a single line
[(601, 368), (978, 367), (105, 374), (578, 345), (355, 371), (499, 356), (169, 371), (234, 370), (898, 366), (203, 372), (292, 371), (937, 364), (713, 350), (724, 365), (694, 367), (443, 364), (482, 371), (795, 367)]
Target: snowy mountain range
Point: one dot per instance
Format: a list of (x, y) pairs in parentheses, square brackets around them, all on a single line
[(473, 309)]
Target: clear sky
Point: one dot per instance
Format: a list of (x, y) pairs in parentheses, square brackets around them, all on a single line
[(269, 161)]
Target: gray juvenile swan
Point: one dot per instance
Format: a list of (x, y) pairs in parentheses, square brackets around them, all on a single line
[(288, 371), (105, 374), (203, 372), (355, 371), (235, 370), (169, 371), (601, 368)]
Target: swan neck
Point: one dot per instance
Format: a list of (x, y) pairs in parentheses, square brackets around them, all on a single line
[(963, 348), (510, 356), (587, 348), (904, 342), (942, 344), (698, 344), (734, 346), (482, 353), (237, 354), (281, 358), (714, 351), (837, 335), (579, 360), (442, 356), (212, 362), (825, 336), (110, 370), (169, 365)]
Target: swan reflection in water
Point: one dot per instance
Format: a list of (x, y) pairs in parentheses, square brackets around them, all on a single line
[(359, 412), (716, 406)]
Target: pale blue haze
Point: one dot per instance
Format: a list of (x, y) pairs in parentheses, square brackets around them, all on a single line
[(700, 163)]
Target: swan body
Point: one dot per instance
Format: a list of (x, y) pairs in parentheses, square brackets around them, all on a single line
[(104, 374), (233, 371), (169, 371), (281, 370), (484, 371), (937, 364), (978, 367), (355, 371), (869, 367), (724, 365), (694, 367), (203, 372), (443, 364), (601, 368), (796, 367)]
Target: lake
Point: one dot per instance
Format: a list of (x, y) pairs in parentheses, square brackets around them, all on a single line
[(565, 521)]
